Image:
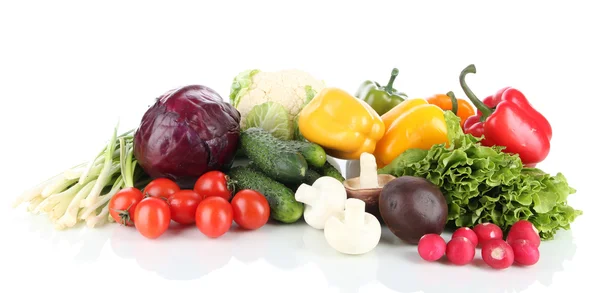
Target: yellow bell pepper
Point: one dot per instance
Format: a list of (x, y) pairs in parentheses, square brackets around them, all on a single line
[(340, 123), (414, 123)]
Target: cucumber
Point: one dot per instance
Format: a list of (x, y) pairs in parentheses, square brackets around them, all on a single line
[(313, 153), (282, 201), (329, 170), (273, 156), (311, 176)]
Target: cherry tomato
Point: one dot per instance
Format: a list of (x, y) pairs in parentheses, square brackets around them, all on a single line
[(183, 205), (122, 205), (214, 183), (250, 209), (161, 188), (152, 217), (214, 216)]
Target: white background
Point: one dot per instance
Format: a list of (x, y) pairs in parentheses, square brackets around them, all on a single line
[(70, 69)]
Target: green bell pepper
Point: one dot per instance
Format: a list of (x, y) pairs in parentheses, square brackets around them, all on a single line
[(381, 98)]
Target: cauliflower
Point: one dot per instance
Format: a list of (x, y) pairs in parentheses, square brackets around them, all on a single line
[(291, 88)]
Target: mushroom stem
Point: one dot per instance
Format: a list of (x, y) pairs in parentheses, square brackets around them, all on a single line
[(306, 194), (368, 171), (354, 214)]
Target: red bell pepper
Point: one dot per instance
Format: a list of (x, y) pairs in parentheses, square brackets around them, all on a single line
[(507, 119)]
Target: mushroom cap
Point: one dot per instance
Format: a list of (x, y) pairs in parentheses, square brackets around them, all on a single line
[(369, 195)]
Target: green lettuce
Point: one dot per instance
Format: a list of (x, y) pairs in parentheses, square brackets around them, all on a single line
[(483, 184)]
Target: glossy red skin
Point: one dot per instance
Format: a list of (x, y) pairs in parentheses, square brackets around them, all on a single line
[(514, 124), (214, 183), (523, 229), (526, 253), (161, 187), (486, 232), (250, 209), (187, 132), (467, 233), (214, 216), (152, 217), (460, 251), (431, 247), (497, 254), (183, 206), (123, 204)]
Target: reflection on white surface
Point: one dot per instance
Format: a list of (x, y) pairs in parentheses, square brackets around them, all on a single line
[(185, 254)]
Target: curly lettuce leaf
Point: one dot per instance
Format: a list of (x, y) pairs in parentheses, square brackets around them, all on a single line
[(483, 184)]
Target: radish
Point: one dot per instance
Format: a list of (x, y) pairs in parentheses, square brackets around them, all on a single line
[(526, 253), (460, 251), (497, 254), (523, 229), (467, 233), (487, 231), (431, 247)]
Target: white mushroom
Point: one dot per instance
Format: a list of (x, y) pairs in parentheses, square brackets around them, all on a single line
[(324, 198), (354, 231)]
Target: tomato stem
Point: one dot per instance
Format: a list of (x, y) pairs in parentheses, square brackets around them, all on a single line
[(231, 185), (125, 216)]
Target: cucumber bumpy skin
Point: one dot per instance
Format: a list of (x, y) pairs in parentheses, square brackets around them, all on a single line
[(313, 153), (282, 201), (331, 171), (273, 156)]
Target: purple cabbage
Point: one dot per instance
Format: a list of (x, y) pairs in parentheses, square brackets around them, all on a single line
[(186, 133)]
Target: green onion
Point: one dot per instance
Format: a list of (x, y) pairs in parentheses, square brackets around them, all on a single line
[(83, 192)]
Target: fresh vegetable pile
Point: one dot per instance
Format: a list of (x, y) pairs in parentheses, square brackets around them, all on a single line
[(426, 165), (485, 184)]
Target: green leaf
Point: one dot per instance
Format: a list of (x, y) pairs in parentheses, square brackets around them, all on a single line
[(240, 85), (453, 126), (310, 94), (272, 117)]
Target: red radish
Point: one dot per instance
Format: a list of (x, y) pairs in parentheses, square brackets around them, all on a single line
[(523, 229), (487, 231), (525, 252), (497, 254), (467, 233), (431, 247), (460, 251)]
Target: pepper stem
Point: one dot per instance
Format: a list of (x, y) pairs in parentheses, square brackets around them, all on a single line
[(454, 102), (390, 86), (485, 110)]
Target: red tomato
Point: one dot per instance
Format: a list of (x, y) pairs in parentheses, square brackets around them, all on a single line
[(250, 209), (122, 205), (152, 217), (214, 183), (161, 188), (214, 216), (183, 205)]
